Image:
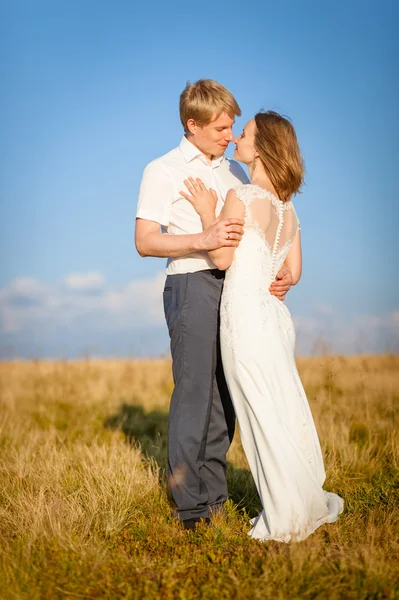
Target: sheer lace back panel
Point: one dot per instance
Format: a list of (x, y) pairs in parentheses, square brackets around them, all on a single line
[(275, 221)]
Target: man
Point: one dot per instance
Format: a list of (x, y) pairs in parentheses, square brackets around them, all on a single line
[(201, 417)]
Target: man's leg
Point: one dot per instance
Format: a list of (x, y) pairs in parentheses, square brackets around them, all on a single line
[(191, 304), (220, 435)]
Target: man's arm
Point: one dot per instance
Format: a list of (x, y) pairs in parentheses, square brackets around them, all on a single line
[(155, 200), (150, 242)]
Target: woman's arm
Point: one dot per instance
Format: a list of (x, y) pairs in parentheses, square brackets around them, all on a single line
[(233, 208), (150, 242), (294, 259), (204, 201)]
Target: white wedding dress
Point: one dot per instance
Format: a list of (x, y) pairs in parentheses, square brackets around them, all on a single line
[(257, 343)]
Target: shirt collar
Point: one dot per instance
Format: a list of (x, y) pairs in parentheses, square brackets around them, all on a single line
[(190, 152)]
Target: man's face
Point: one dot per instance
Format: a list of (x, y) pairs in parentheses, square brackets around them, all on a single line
[(212, 139)]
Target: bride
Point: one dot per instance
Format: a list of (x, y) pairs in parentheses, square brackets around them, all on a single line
[(257, 334)]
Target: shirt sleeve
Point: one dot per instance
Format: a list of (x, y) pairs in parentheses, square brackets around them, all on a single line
[(156, 194)]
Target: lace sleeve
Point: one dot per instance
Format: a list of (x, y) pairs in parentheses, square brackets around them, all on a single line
[(247, 193)]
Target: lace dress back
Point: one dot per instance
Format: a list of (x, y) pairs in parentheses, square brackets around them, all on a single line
[(275, 221)]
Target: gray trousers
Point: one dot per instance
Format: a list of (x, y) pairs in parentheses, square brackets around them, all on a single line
[(201, 416)]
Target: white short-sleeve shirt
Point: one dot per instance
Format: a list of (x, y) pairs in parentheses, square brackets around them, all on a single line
[(160, 199)]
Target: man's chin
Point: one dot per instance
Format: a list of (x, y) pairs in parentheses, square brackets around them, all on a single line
[(219, 151)]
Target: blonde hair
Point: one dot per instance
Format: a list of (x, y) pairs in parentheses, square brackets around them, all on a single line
[(204, 101), (277, 145)]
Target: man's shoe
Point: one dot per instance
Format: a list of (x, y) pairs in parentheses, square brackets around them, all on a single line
[(191, 523)]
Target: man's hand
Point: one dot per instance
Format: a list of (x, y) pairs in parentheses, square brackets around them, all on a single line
[(283, 282), (227, 232)]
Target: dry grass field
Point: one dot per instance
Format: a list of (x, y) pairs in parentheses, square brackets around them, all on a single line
[(84, 510)]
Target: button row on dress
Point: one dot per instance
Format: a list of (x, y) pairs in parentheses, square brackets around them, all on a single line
[(277, 240)]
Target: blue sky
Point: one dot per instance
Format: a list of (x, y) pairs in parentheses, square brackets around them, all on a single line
[(90, 94)]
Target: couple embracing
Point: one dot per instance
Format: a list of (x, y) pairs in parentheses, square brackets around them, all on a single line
[(233, 249)]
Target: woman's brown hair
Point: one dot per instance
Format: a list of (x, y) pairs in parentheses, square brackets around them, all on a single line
[(277, 145)]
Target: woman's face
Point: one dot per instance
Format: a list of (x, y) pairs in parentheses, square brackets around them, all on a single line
[(245, 144)]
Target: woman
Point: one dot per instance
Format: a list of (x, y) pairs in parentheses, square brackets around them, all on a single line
[(257, 334)]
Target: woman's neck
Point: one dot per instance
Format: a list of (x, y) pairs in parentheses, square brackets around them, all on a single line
[(259, 177)]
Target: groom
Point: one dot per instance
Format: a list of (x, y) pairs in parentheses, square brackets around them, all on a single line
[(201, 416)]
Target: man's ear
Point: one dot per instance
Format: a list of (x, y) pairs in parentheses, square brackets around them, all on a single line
[(192, 126)]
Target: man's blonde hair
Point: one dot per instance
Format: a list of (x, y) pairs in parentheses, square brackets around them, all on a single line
[(204, 101)]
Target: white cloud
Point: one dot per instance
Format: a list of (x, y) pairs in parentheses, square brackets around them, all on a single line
[(143, 296), (395, 317), (93, 280), (82, 310), (25, 288), (331, 332), (28, 304)]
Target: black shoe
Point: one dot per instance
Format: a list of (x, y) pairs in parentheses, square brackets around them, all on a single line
[(191, 523)]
